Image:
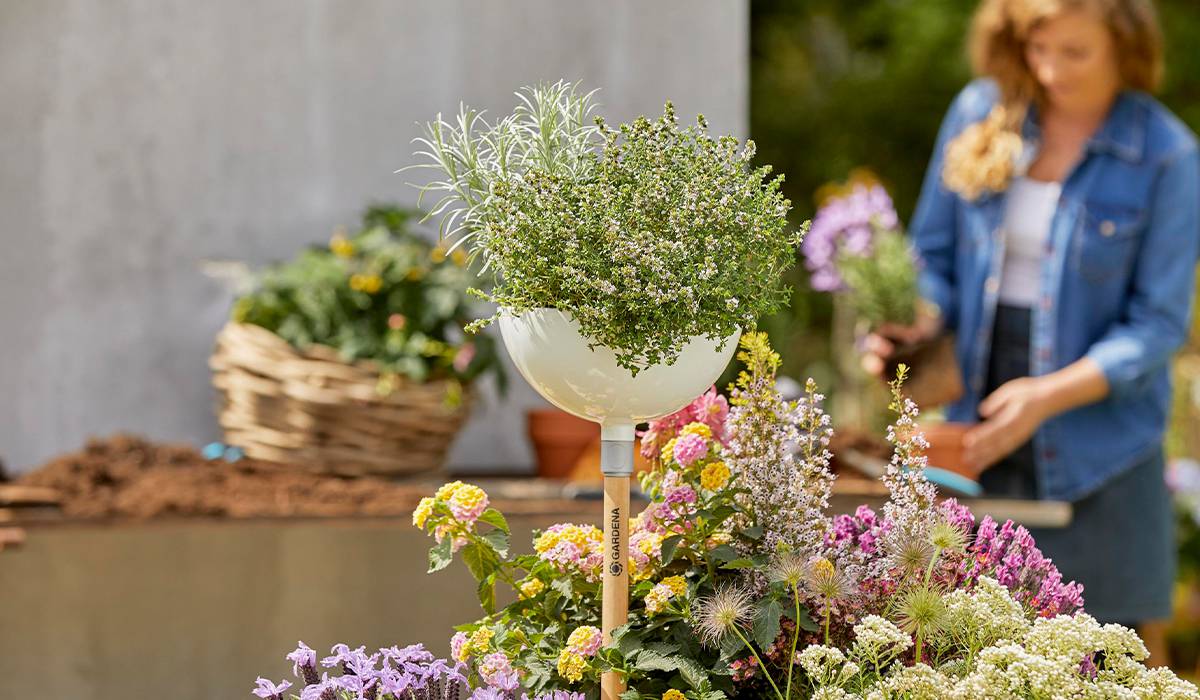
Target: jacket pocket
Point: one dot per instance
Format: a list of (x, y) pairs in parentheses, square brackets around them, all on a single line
[(1106, 241)]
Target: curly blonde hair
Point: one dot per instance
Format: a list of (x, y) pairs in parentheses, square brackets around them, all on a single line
[(982, 158)]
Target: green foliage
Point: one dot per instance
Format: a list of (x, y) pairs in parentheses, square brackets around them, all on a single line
[(383, 294), (658, 235), (882, 285)]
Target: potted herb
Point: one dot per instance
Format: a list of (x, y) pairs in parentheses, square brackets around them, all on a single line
[(643, 237)]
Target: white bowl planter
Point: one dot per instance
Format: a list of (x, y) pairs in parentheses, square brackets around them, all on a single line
[(552, 355)]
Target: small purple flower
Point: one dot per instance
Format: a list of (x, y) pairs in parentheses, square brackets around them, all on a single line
[(363, 688), (557, 695), (325, 689), (343, 656), (488, 694), (269, 691), (411, 654), (846, 224), (304, 663), (1087, 668)]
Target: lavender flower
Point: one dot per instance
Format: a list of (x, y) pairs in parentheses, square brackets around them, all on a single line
[(325, 689), (269, 691), (304, 663), (363, 688), (342, 655), (846, 224), (557, 695)]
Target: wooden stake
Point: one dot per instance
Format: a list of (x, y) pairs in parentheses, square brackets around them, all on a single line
[(615, 610)]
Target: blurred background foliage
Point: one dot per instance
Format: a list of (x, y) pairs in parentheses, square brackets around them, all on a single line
[(837, 85)]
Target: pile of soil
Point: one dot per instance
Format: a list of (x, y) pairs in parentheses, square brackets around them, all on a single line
[(125, 476)]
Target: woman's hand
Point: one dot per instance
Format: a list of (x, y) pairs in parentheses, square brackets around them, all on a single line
[(1014, 411), (1012, 414), (879, 345)]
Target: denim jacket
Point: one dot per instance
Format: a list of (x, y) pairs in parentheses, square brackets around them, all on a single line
[(1117, 281)]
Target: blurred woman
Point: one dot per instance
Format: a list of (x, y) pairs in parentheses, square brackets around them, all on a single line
[(1059, 226)]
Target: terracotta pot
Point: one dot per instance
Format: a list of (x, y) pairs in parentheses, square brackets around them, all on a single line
[(587, 467), (945, 449), (934, 378), (559, 439)]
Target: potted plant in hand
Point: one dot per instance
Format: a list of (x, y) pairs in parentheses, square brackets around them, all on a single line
[(857, 249)]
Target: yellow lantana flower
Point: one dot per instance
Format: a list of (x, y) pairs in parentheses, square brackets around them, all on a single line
[(532, 587), (668, 451), (423, 511), (447, 490), (677, 584), (571, 665), (340, 246), (673, 694), (697, 429), (714, 476), (480, 640)]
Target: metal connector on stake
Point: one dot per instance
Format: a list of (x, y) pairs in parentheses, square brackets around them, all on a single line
[(616, 457)]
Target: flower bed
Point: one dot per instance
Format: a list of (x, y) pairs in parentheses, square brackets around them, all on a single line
[(745, 588)]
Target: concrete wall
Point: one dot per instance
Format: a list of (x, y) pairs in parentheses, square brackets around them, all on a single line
[(138, 139)]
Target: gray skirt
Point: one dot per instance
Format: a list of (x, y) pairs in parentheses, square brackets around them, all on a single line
[(1120, 543)]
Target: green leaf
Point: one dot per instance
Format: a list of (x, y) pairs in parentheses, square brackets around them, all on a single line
[(498, 540), (478, 560), (693, 674), (627, 640), (631, 694), (723, 553), (739, 564), (495, 518), (440, 556), (806, 622), (650, 661), (766, 622), (754, 533), (562, 584), (669, 546), (487, 594)]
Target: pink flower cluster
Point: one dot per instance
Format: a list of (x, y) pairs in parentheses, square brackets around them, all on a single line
[(673, 514), (710, 408), (860, 531), (572, 547), (1005, 552), (1008, 553)]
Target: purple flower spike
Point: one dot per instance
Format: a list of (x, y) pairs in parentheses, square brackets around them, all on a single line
[(304, 663), (325, 689), (269, 691)]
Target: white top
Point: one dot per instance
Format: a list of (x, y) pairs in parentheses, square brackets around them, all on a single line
[(1028, 211)]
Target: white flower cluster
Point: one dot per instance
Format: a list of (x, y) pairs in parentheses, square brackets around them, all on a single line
[(911, 494), (779, 449), (991, 651)]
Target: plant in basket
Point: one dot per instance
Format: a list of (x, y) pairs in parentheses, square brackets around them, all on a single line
[(382, 294), (856, 248), (746, 588), (351, 357)]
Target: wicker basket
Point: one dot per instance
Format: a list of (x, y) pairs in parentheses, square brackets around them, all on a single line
[(312, 410)]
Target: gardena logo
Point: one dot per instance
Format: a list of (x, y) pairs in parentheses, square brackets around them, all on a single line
[(614, 540)]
